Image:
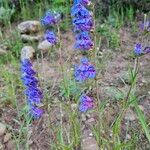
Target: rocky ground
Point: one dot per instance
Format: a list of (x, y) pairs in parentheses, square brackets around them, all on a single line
[(114, 75)]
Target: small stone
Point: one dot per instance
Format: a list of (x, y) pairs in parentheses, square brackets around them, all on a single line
[(130, 115), (83, 117), (91, 134), (128, 136), (7, 137), (74, 106), (31, 38), (44, 46), (11, 145), (31, 26), (2, 129), (3, 52), (27, 52), (89, 144), (143, 80), (90, 121)]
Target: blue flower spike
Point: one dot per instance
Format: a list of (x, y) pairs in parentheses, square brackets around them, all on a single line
[(32, 92), (86, 103)]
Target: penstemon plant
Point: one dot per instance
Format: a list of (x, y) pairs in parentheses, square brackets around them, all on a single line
[(33, 92), (141, 49), (83, 24)]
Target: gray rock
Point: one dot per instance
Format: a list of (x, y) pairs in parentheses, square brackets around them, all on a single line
[(44, 46), (3, 52), (7, 137), (11, 145), (2, 129), (27, 52), (89, 143), (130, 115), (30, 26), (31, 38), (90, 121)]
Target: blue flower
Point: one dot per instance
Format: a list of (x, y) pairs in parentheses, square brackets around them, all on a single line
[(145, 26), (147, 50), (85, 24), (33, 93), (36, 112), (29, 80), (84, 2), (80, 11), (86, 103), (51, 37), (83, 41), (83, 36), (50, 19), (84, 44), (138, 49), (84, 71)]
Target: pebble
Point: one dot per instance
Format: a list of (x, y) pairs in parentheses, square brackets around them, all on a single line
[(74, 106), (44, 46), (2, 129), (30, 26), (31, 38), (90, 121), (83, 117), (130, 115), (7, 137), (89, 143), (11, 145), (27, 52), (128, 136)]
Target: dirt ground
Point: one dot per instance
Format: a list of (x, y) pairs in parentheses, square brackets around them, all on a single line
[(113, 74)]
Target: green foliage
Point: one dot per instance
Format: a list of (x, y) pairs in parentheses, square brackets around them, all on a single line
[(69, 88), (115, 93), (6, 14), (9, 78), (111, 35)]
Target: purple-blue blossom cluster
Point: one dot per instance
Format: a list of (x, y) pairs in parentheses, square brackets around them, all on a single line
[(145, 26), (50, 37), (85, 2), (83, 23), (33, 92), (84, 71), (50, 19), (86, 103), (139, 50), (83, 41)]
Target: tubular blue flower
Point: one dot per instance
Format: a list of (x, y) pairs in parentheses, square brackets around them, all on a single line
[(50, 19), (33, 93), (147, 50), (145, 26), (83, 41), (83, 36), (85, 2), (85, 24), (80, 11), (84, 71), (51, 37), (36, 112), (138, 49), (86, 103), (84, 44), (29, 80)]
